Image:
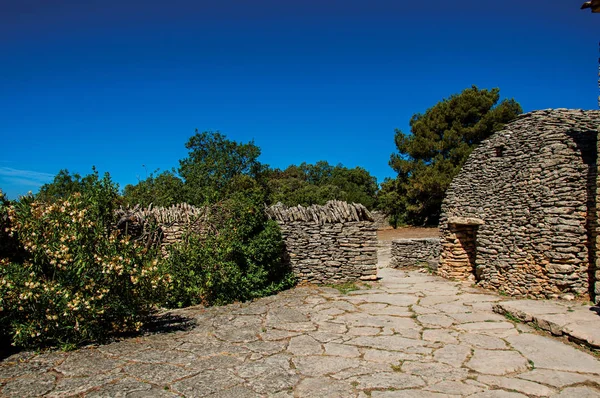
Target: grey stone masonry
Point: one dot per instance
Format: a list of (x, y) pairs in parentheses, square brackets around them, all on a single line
[(521, 215), (334, 243), (412, 252)]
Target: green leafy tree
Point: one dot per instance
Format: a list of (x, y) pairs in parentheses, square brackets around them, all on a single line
[(309, 184), (441, 139), (165, 189), (216, 167), (390, 202)]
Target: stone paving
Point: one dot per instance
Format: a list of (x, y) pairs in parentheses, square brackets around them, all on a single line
[(408, 335), (576, 320)]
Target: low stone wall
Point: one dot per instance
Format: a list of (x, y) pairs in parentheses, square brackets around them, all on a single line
[(163, 226), (410, 252), (334, 243)]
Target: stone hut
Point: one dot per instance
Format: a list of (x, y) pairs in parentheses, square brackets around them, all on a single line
[(521, 216)]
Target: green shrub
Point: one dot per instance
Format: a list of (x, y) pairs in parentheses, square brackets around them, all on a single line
[(238, 259), (79, 280)]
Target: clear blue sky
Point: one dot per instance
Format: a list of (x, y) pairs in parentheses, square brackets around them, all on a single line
[(121, 84)]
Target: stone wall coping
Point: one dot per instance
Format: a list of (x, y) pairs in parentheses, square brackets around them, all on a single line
[(465, 221), (410, 240)]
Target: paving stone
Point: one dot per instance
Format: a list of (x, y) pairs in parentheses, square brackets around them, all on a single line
[(275, 335), (208, 382), (440, 335), (558, 379), (496, 362), (157, 373), (455, 388), (483, 341), (21, 365), (419, 309), (304, 345), (324, 387), (332, 327), (327, 337), (435, 320), (235, 392), (586, 331), (341, 350), (278, 316), (480, 326), (434, 372), (409, 394), (296, 326), (497, 394), (452, 308), (363, 331), (518, 385), (436, 299), (392, 343), (215, 362), (121, 388), (87, 362), (383, 380), (477, 316), (316, 366), (452, 354), (389, 357), (385, 309), (171, 356), (267, 347), (33, 385), (579, 392), (400, 300), (368, 320), (70, 386), (548, 353)]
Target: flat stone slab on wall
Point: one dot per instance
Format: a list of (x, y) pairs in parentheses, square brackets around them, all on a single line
[(411, 252)]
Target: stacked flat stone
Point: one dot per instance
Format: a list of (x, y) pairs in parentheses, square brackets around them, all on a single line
[(380, 219), (521, 216), (415, 252), (167, 223), (333, 243)]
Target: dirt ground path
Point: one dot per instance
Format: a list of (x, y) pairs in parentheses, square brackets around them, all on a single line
[(387, 235)]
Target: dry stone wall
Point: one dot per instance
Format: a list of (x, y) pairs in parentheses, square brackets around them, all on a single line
[(380, 219), (163, 226), (334, 243), (521, 215), (414, 252)]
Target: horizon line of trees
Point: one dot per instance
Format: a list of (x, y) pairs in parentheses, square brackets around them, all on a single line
[(425, 162)]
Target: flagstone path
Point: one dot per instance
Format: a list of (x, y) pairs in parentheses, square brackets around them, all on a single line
[(408, 335)]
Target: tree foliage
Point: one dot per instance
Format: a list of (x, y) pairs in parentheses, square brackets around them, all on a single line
[(217, 167), (165, 189), (441, 139), (238, 259), (309, 184)]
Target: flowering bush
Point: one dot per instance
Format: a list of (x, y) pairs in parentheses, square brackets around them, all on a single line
[(79, 279), (238, 259)]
